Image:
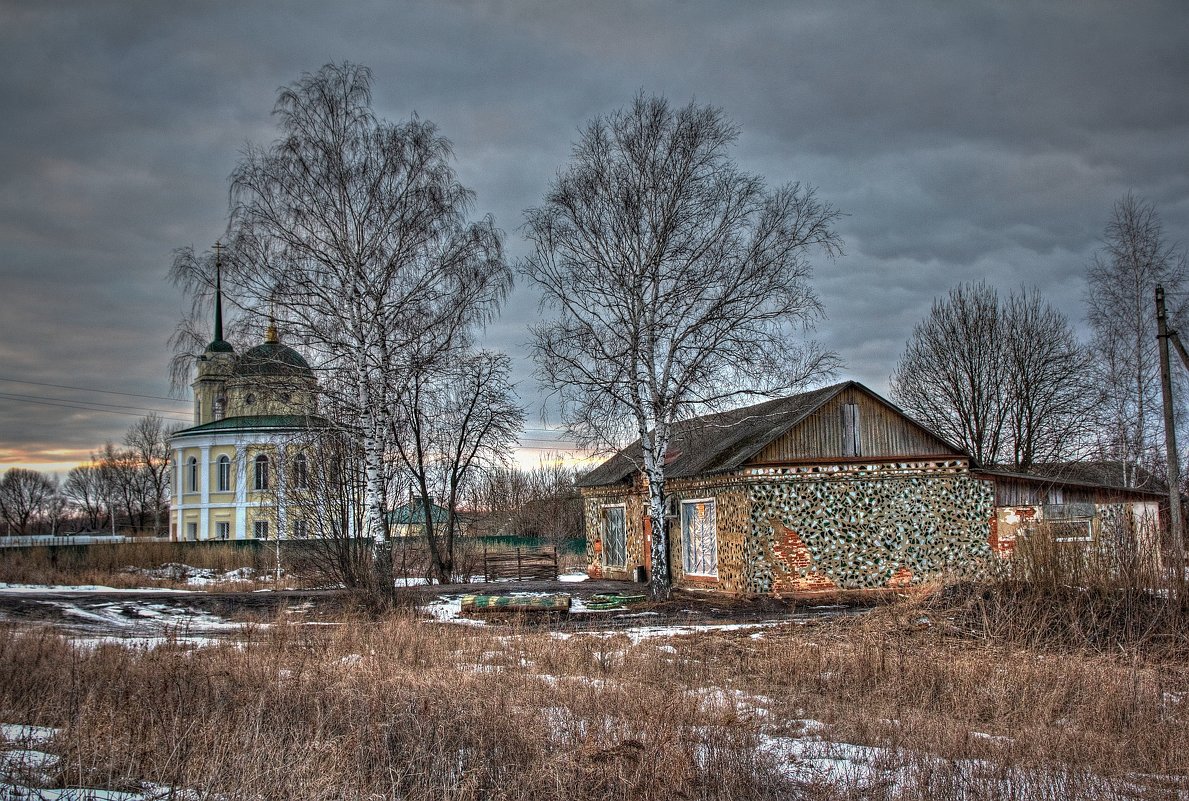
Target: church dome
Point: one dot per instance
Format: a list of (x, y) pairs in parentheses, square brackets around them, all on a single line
[(273, 359)]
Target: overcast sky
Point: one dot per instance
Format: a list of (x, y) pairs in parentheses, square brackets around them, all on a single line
[(963, 140)]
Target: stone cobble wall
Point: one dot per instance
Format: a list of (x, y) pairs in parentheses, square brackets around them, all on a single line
[(821, 529), (634, 505), (820, 532)]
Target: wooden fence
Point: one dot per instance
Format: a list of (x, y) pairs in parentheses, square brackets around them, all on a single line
[(520, 564)]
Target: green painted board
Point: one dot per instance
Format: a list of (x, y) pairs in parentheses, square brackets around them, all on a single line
[(512, 603)]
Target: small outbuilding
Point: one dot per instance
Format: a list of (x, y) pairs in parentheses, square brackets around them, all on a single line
[(1082, 504)]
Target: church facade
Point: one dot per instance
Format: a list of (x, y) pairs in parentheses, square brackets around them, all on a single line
[(246, 455)]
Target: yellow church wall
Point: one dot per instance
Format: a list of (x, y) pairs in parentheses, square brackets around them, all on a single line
[(257, 513)]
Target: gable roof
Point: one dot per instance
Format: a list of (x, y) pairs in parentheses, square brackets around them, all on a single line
[(717, 443)]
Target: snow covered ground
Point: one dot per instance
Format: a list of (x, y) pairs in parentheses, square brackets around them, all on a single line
[(27, 761)]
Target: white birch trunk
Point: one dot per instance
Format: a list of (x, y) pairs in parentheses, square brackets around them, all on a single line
[(373, 519)]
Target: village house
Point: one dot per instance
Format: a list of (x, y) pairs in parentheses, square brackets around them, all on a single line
[(832, 488)]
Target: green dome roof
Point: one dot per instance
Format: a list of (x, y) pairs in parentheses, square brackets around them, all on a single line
[(273, 359)]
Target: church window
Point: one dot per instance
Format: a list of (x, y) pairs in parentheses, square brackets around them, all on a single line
[(250, 398), (224, 477), (286, 397), (191, 475), (301, 472), (261, 473)]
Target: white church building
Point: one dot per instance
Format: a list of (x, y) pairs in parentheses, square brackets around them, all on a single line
[(246, 452)]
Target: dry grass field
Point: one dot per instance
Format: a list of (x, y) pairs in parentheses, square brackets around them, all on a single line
[(1046, 681), (894, 704)]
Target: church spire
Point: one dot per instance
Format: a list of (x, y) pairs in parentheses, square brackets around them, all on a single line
[(218, 344), (218, 291)]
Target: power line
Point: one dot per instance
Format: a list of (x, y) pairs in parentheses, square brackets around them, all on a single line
[(68, 405), (15, 396), (92, 389)]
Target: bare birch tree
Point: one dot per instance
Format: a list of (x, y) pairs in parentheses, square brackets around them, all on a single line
[(1123, 275), (354, 230), (680, 283), (1006, 380)]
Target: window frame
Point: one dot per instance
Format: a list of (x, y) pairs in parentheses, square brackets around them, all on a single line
[(259, 526), (604, 530), (301, 472), (223, 474), (222, 530), (260, 472), (686, 540), (192, 474)]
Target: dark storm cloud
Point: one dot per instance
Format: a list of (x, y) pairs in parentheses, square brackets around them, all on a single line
[(964, 141)]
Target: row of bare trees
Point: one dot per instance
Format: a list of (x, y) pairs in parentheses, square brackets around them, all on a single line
[(679, 284), (121, 489), (1008, 380), (542, 501)]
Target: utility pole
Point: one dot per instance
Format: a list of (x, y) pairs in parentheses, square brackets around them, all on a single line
[(1175, 523)]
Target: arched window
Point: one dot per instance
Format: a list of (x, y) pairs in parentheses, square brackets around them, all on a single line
[(192, 475), (301, 472), (224, 478), (261, 473)]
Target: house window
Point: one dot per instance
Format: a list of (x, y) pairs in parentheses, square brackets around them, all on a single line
[(301, 472), (699, 537), (615, 536), (224, 477), (1071, 530), (260, 475), (260, 529), (300, 530), (852, 441), (222, 530), (192, 531), (192, 475)]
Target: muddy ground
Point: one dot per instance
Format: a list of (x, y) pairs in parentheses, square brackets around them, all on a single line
[(130, 614)]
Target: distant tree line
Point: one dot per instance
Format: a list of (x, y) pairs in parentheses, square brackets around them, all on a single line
[(122, 490), (542, 502)]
